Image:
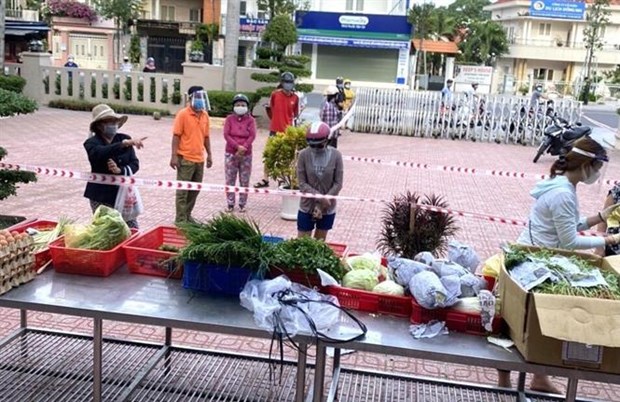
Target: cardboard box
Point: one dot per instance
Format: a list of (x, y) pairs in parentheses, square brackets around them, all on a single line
[(565, 331)]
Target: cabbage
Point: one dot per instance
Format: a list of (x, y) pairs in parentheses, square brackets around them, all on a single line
[(389, 287), (363, 279), (428, 290), (366, 261)]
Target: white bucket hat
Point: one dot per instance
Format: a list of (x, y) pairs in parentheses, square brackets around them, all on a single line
[(105, 112)]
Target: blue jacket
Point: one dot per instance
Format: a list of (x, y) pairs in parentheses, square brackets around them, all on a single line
[(98, 154)]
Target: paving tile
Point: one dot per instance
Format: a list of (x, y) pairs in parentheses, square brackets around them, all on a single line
[(54, 138)]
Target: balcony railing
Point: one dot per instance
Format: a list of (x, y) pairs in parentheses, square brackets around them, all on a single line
[(559, 43), (22, 15)]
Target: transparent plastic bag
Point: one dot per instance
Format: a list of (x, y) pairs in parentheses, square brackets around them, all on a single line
[(463, 255), (428, 290), (471, 285), (446, 268), (452, 284), (404, 269)]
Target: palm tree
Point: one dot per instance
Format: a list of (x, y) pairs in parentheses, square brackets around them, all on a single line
[(483, 40)]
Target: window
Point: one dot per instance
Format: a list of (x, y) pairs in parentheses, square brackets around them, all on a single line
[(83, 51), (544, 29), (243, 7), (167, 13), (360, 5), (349, 6), (95, 49), (195, 14), (543, 74)]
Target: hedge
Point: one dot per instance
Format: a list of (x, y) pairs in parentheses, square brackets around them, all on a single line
[(12, 83), (12, 103), (221, 102), (85, 106)]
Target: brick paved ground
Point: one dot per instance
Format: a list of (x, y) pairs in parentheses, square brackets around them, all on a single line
[(53, 138)]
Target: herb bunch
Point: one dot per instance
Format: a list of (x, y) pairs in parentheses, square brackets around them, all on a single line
[(225, 240), (306, 254)]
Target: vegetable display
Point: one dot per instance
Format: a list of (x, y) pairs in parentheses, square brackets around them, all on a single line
[(306, 254), (389, 287), (544, 272), (16, 260), (43, 238), (225, 240), (106, 231), (364, 279)]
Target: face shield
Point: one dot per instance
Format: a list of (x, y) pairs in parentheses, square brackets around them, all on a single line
[(600, 161), (199, 101)]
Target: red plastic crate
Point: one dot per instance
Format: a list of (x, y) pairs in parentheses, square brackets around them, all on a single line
[(339, 249), (41, 257), (455, 320), (144, 257), (87, 262), (298, 276), (371, 302)]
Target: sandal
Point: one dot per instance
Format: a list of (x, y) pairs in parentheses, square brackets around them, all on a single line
[(262, 184), (241, 209)]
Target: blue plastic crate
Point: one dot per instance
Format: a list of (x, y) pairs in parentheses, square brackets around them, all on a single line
[(215, 279), (273, 239)]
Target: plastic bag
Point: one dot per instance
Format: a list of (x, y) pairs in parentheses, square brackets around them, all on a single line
[(446, 268), (404, 269), (128, 201), (463, 255), (471, 285), (428, 290), (274, 309), (492, 266), (425, 257), (452, 284)]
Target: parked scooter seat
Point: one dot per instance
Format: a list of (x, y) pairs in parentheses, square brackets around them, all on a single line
[(576, 132)]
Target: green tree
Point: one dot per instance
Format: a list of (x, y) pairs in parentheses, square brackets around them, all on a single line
[(483, 41), (10, 178), (469, 10), (123, 12), (135, 52), (281, 31), (274, 8), (597, 19)]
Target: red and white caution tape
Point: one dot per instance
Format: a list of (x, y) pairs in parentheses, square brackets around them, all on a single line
[(457, 169), (186, 185)]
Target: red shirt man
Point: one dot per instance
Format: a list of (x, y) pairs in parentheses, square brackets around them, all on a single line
[(283, 108)]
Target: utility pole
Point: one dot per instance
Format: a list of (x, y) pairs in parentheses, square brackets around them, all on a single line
[(2, 25), (231, 46)]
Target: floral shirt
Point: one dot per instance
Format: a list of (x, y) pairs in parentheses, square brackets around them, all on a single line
[(614, 249)]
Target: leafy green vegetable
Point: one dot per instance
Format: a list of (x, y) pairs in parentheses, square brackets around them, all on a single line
[(225, 240), (360, 279), (306, 254), (364, 262), (106, 231), (389, 287)]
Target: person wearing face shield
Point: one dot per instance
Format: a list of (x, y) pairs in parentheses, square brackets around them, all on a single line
[(190, 142), (319, 171), (239, 133), (349, 95), (555, 221), (330, 114), (109, 152), (282, 111)]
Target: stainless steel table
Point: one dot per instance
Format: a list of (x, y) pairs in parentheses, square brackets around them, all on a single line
[(77, 365), (388, 335)]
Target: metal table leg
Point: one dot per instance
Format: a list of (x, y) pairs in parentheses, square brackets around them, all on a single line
[(319, 372), (571, 389), (333, 389), (521, 387), (97, 358), (302, 360)]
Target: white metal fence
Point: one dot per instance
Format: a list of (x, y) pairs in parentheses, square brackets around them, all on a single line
[(499, 118)]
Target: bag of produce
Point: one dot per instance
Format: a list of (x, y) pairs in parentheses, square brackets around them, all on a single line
[(363, 279), (452, 284), (428, 290), (425, 257), (404, 269), (389, 287), (492, 266), (471, 285), (106, 231), (463, 255), (445, 268)]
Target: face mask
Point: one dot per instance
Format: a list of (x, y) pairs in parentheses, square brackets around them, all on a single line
[(198, 104), (288, 86), (317, 146), (591, 179), (347, 86), (70, 60), (109, 130), (240, 110)]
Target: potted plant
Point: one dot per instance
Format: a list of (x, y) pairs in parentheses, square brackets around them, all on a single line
[(280, 159), (408, 229), (196, 54), (222, 254), (300, 258), (10, 180)]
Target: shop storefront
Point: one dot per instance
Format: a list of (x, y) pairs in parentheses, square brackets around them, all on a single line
[(362, 47)]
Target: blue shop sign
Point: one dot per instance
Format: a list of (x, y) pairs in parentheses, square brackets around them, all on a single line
[(558, 9), (389, 27), (252, 25)]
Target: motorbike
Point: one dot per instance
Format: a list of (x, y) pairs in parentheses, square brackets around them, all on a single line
[(560, 136)]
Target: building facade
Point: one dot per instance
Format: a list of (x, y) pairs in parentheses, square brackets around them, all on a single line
[(546, 43)]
